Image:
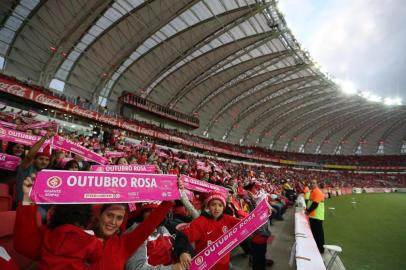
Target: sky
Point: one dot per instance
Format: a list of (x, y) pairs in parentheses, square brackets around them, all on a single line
[(362, 41)]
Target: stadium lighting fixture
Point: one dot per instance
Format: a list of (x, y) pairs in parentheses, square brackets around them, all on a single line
[(348, 87), (365, 94), (398, 101), (374, 98), (389, 101), (392, 101)]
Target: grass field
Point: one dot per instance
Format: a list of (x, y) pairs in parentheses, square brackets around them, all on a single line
[(372, 235)]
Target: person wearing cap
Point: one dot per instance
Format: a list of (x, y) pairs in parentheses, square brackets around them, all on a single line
[(157, 251), (205, 230), (33, 162)]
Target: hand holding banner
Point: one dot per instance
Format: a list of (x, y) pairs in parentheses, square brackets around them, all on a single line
[(52, 187), (228, 241)]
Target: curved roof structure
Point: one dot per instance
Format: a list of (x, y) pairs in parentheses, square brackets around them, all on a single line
[(234, 62)]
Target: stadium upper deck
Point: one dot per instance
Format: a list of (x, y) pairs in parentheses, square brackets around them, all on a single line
[(233, 63)]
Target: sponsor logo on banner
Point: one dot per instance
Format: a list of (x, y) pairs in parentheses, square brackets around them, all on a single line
[(54, 102), (107, 119), (13, 89), (80, 111), (199, 260), (2, 132), (54, 182)]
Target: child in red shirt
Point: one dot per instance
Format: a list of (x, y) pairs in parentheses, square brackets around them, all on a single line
[(205, 230)]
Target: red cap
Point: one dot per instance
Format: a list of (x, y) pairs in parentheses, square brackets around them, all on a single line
[(150, 205), (45, 152), (215, 196)]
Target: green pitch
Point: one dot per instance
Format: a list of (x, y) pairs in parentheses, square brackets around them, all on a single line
[(372, 234)]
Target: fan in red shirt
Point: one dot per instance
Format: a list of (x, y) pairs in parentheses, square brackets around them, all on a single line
[(63, 243)]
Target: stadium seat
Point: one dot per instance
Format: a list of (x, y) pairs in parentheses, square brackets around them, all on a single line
[(4, 189), (5, 202), (6, 239)]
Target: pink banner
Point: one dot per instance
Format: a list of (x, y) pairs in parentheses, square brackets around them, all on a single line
[(114, 154), (15, 136), (135, 168), (162, 154), (229, 240), (183, 161), (64, 144), (102, 187), (40, 125), (203, 168), (8, 124), (9, 162), (201, 186)]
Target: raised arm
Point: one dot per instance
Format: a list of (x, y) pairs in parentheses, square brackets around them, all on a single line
[(134, 239), (185, 201), (27, 161), (28, 235)]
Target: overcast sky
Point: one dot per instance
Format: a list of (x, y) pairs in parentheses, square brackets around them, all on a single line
[(363, 41)]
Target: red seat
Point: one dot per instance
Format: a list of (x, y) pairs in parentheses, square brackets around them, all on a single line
[(6, 239), (4, 189), (5, 203)]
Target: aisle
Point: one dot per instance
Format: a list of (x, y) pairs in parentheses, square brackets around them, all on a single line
[(278, 250)]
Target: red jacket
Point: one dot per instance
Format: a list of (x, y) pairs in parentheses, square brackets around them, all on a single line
[(28, 238), (69, 247), (65, 247), (8, 265), (204, 230)]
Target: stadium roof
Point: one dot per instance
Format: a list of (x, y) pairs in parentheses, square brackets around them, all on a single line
[(234, 62)]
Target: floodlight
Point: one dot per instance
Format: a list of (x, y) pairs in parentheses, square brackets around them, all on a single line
[(348, 88)]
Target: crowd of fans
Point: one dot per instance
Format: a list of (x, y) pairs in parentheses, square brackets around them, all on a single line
[(142, 239)]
